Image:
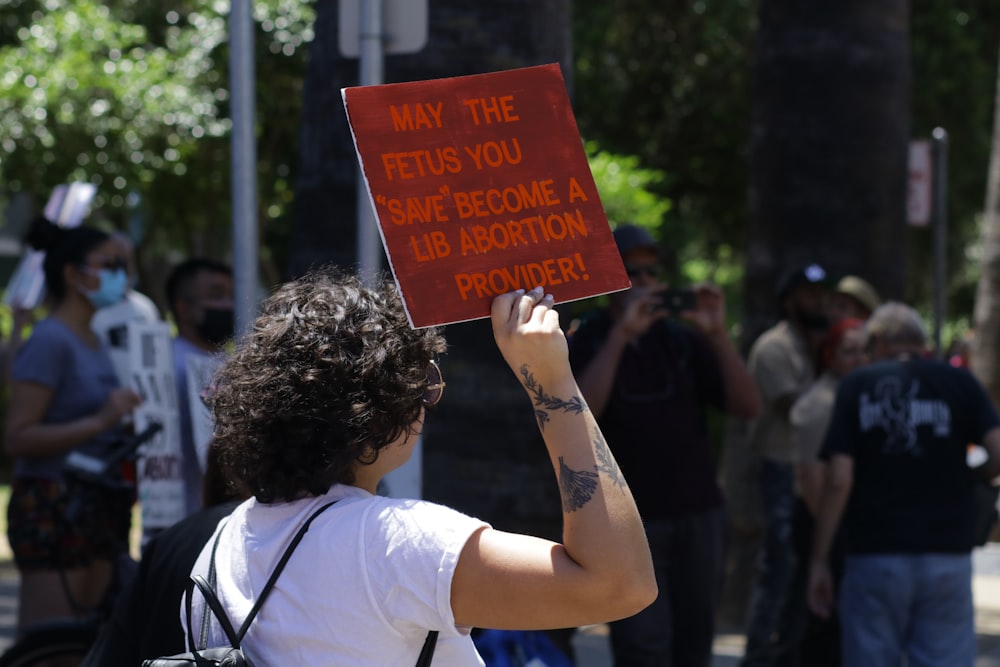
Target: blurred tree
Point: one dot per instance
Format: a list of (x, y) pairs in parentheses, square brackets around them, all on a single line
[(829, 147), (954, 46), (986, 344), (669, 81), (132, 96)]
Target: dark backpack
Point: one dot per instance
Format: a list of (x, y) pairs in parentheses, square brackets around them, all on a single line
[(232, 655)]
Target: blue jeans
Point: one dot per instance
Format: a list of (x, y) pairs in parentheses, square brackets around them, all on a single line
[(917, 605), (678, 628), (776, 566)]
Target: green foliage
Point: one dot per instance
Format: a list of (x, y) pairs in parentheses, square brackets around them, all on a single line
[(669, 81), (133, 96), (954, 47), (629, 194), (624, 189)]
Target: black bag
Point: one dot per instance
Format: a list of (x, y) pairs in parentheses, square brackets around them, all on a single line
[(986, 515), (232, 655)]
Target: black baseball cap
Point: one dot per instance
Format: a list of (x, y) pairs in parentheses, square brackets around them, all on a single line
[(811, 274), (630, 237)]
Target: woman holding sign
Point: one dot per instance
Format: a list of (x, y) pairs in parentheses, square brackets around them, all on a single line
[(328, 394), (64, 398)]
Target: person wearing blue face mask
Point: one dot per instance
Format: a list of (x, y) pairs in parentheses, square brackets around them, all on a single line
[(111, 324), (65, 397)]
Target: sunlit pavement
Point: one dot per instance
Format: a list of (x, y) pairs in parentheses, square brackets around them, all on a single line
[(592, 643)]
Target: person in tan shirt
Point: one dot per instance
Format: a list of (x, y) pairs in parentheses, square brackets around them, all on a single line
[(781, 361)]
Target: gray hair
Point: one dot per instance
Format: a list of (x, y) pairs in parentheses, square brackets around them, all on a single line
[(895, 323)]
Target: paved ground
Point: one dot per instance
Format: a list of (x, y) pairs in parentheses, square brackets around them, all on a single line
[(592, 643)]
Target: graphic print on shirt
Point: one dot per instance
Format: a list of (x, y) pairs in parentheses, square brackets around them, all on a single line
[(895, 409)]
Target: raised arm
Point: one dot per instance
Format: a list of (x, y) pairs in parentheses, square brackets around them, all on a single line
[(742, 398), (602, 570), (640, 311)]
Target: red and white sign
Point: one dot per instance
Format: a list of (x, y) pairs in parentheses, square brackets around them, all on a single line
[(480, 185), (919, 198)]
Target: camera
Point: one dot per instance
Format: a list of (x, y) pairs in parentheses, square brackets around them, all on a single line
[(678, 300)]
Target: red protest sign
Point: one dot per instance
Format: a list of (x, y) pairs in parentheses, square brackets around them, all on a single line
[(481, 186)]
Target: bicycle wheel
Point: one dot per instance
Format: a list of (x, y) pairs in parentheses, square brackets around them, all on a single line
[(58, 646)]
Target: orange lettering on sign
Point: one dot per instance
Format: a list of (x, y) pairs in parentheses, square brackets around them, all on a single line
[(495, 154), (421, 116), (505, 279), (509, 200), (414, 210), (575, 191), (481, 239), (411, 164), (489, 110), (432, 245)]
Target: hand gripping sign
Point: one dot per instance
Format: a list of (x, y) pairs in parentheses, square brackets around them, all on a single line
[(480, 186)]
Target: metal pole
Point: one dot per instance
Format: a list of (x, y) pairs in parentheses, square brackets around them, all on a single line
[(939, 149), (371, 47), (244, 167)]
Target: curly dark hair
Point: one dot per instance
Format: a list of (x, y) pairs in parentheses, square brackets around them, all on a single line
[(331, 373)]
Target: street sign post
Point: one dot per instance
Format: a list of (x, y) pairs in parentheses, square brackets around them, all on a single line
[(368, 30)]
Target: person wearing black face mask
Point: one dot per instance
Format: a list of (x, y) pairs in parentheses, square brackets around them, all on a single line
[(782, 364), (200, 298)]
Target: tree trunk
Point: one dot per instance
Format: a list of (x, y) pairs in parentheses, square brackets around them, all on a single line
[(829, 146), (986, 345), (828, 177), (482, 450)]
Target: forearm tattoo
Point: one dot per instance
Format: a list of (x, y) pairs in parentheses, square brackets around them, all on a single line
[(606, 462), (545, 403), (577, 486)]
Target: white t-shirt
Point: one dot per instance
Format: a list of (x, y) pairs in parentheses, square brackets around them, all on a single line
[(364, 586)]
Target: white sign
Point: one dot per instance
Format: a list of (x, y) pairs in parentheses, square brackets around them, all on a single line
[(27, 284), (919, 198), (160, 470), (67, 206), (404, 24)]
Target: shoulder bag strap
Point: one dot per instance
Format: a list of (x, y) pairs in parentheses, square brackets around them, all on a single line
[(203, 635), (277, 571), (427, 653), (212, 600), (207, 589)]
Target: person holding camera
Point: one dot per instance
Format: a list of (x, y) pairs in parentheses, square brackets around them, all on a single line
[(651, 381)]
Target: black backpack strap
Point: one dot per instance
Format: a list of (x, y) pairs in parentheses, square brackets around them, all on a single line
[(187, 611), (203, 635), (427, 653), (207, 588), (277, 571), (220, 614)]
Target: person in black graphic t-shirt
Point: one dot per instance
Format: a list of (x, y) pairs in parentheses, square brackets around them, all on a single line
[(898, 477)]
